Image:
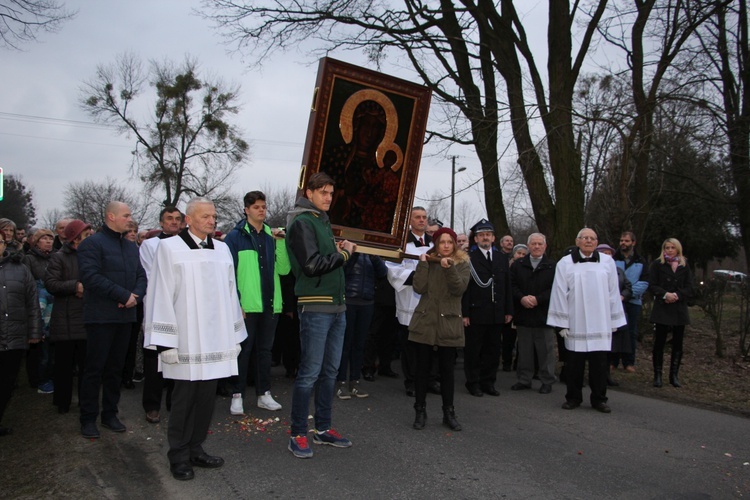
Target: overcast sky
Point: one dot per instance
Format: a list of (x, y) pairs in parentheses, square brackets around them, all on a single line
[(48, 140)]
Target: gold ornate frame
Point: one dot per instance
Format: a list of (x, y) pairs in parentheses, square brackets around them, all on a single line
[(375, 178)]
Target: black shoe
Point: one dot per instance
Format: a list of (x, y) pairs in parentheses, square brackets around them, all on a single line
[(434, 387), (674, 368), (89, 430), (114, 425), (63, 409), (182, 471), (449, 419), (410, 391), (5, 431), (490, 389), (507, 367), (518, 386), (369, 376), (570, 405), (207, 461), (128, 384), (545, 389), (474, 390), (387, 372), (657, 377), (138, 377), (602, 407), (420, 419)]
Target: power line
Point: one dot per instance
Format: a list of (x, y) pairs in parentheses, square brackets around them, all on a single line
[(64, 140), (84, 124), (51, 121)]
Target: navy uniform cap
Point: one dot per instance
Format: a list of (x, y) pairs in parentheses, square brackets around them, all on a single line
[(483, 226)]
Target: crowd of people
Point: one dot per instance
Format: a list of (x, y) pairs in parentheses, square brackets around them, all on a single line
[(192, 314)]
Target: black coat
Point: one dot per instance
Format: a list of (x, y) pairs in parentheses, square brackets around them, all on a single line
[(662, 280), (61, 281), (361, 272), (488, 305), (110, 271), (20, 318), (37, 262), (525, 280)]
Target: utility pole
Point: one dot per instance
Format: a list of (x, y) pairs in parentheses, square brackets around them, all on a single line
[(453, 187)]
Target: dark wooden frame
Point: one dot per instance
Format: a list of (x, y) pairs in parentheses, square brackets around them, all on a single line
[(339, 88)]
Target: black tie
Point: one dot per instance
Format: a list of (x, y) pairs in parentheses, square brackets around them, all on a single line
[(203, 244), (489, 258)]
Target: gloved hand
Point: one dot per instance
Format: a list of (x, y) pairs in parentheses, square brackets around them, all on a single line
[(614, 330), (170, 356), (564, 333), (237, 350)]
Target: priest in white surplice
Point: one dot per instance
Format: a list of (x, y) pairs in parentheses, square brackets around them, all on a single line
[(193, 316), (585, 304)]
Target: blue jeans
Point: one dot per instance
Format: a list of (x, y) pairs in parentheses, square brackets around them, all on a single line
[(321, 338), (358, 319), (633, 315)]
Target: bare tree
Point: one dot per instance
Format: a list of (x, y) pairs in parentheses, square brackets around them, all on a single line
[(654, 37), (280, 201), (725, 52), (604, 107), (458, 49), (436, 205), (187, 148), (22, 20), (466, 217), (87, 200), (50, 218)]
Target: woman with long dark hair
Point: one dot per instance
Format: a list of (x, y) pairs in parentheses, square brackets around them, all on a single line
[(671, 283), (441, 278)]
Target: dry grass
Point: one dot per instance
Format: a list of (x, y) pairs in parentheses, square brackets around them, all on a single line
[(708, 381)]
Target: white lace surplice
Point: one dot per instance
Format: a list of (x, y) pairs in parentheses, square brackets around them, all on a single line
[(586, 300), (192, 305)]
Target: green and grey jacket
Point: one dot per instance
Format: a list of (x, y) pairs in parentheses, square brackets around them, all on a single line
[(315, 258)]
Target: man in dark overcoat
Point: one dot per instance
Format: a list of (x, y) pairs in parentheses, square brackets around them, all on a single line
[(487, 306)]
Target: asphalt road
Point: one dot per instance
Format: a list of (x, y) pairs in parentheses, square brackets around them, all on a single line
[(517, 445)]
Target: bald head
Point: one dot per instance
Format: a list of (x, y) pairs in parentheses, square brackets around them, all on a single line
[(60, 228), (114, 207), (587, 241), (118, 217)]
